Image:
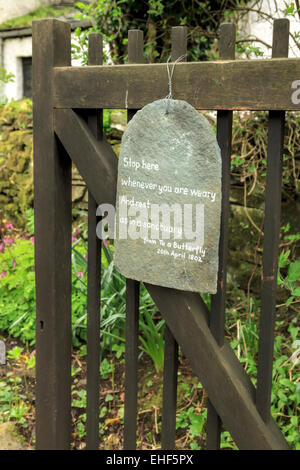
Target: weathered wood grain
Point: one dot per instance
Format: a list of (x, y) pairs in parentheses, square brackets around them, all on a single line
[(256, 84), (217, 316)]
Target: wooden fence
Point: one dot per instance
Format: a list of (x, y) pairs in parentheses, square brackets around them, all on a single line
[(68, 104)]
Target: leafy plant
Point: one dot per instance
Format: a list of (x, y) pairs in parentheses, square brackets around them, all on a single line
[(15, 352), (17, 288), (193, 423), (291, 281), (152, 338), (13, 401), (6, 77), (285, 398), (17, 302)]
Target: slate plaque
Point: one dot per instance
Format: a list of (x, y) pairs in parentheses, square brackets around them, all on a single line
[(169, 199)]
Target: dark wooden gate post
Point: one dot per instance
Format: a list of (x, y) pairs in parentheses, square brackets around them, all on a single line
[(52, 204)]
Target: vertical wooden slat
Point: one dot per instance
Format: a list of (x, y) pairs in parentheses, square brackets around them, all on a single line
[(271, 236), (179, 48), (52, 205), (135, 55), (94, 281), (217, 316), (179, 42)]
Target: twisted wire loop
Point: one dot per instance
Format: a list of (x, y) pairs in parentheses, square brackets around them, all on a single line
[(170, 76)]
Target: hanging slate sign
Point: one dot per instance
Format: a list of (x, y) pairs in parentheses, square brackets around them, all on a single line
[(169, 199)]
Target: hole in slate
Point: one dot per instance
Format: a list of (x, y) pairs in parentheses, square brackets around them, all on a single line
[(42, 325)]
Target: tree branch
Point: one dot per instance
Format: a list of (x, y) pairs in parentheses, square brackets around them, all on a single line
[(254, 40)]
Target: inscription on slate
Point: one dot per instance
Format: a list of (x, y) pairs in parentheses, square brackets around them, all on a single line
[(169, 199)]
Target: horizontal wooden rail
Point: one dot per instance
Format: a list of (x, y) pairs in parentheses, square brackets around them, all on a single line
[(265, 84), (227, 384)]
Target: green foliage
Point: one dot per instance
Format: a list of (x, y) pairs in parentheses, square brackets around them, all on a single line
[(113, 309), (285, 397), (80, 400), (15, 353), (192, 422), (248, 49), (16, 165), (14, 392), (17, 315), (106, 368), (291, 9), (17, 288), (17, 301), (6, 77), (290, 281), (247, 195), (106, 120), (113, 19)]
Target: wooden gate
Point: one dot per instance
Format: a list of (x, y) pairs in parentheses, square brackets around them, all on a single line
[(68, 104)]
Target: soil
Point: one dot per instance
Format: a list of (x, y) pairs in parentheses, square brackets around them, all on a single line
[(111, 401)]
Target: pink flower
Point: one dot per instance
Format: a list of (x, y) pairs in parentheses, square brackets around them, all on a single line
[(105, 243), (3, 274), (77, 229), (73, 239), (85, 256), (9, 226), (7, 241), (31, 240), (14, 263), (80, 274)]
